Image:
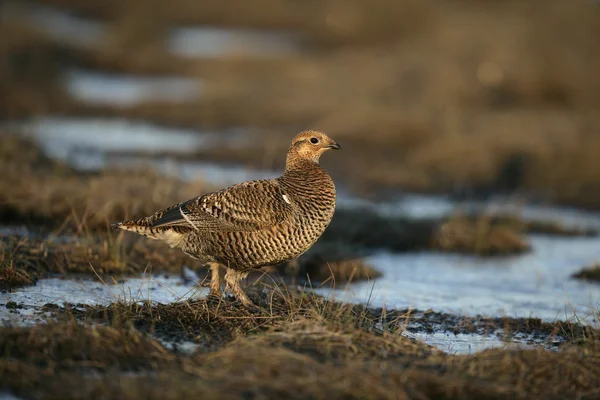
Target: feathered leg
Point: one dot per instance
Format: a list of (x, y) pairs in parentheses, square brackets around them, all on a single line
[(215, 284), (233, 278)]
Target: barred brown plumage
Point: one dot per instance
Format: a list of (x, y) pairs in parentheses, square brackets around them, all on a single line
[(252, 224)]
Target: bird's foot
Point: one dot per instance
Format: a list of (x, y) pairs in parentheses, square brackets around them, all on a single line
[(239, 294), (215, 283), (245, 300), (232, 279), (214, 287)]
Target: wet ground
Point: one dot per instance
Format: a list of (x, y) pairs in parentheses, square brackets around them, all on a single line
[(538, 284), (453, 333)]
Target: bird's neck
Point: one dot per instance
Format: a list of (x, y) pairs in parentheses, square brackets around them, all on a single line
[(295, 160), (306, 177)]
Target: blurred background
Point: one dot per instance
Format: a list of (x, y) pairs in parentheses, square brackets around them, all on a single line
[(435, 103), (467, 98)]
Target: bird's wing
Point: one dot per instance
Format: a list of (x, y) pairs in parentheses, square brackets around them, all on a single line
[(248, 206)]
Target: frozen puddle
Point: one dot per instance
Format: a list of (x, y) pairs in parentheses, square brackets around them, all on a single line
[(462, 343), (95, 144), (409, 204), (167, 289), (86, 144), (127, 90), (537, 284), (207, 172), (215, 42), (60, 136), (160, 288)]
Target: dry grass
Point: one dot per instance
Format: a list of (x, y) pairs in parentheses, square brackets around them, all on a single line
[(11, 276), (49, 195), (322, 268), (339, 343), (35, 189), (295, 346), (350, 22), (259, 372), (539, 227), (25, 259), (212, 322), (16, 269), (73, 346)]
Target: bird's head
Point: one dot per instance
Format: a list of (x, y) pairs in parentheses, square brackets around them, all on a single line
[(310, 145)]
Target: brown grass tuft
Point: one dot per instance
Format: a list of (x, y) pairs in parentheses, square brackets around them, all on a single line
[(24, 259), (480, 237), (73, 346), (327, 341)]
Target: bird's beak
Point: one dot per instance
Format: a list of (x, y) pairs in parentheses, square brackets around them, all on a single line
[(334, 146)]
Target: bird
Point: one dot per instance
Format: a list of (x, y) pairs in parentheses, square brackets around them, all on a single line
[(252, 224)]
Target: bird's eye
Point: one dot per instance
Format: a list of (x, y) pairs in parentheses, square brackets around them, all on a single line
[(314, 140)]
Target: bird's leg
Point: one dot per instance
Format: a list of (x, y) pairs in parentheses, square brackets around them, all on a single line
[(232, 279), (215, 285)]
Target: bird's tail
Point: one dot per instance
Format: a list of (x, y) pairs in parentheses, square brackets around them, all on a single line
[(141, 226), (144, 227)]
